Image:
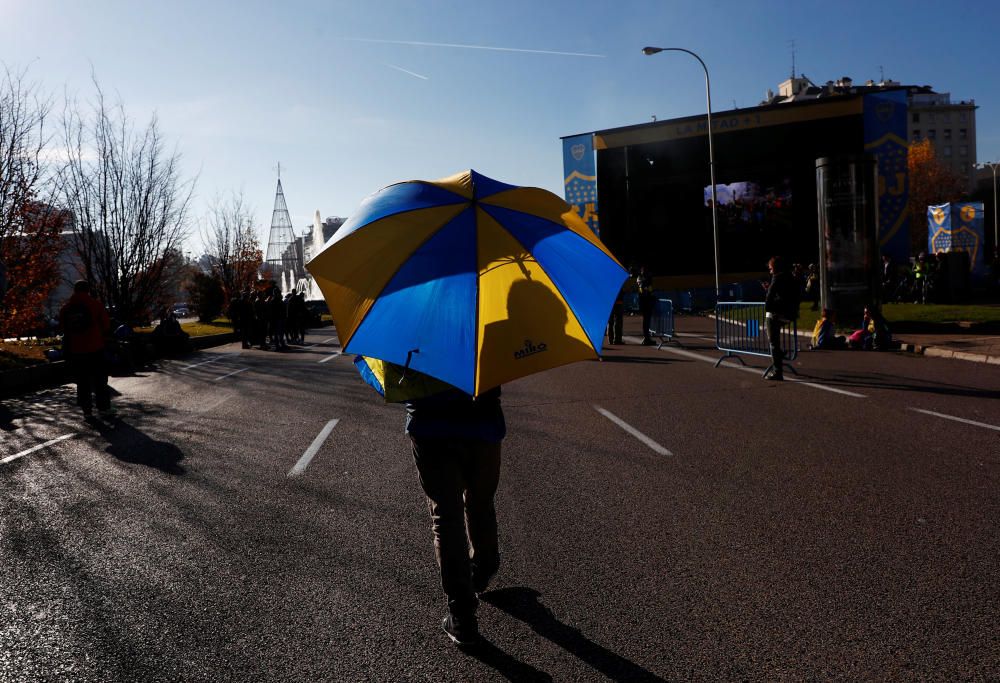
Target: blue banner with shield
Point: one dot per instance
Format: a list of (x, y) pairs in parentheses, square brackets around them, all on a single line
[(958, 226), (580, 169), (886, 138)]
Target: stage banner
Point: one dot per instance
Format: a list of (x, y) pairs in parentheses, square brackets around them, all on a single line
[(580, 169), (886, 138), (959, 226)]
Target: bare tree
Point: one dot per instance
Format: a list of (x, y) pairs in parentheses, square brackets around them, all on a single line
[(130, 204), (230, 239), (23, 137)]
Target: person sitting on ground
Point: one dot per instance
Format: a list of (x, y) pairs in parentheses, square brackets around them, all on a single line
[(874, 332), (825, 335), (168, 337)]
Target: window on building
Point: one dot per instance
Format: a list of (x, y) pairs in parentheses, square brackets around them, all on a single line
[(963, 133), (946, 117), (932, 117), (916, 117), (931, 134), (963, 117), (916, 133), (947, 134), (947, 151), (963, 151)]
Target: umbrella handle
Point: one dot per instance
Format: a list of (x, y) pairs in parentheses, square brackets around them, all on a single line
[(406, 366)]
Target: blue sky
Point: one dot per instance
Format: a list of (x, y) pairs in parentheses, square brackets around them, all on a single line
[(241, 86)]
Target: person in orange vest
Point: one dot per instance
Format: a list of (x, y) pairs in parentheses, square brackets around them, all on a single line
[(86, 325)]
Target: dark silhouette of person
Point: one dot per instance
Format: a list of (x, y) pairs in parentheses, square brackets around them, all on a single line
[(86, 325), (456, 446), (781, 306)]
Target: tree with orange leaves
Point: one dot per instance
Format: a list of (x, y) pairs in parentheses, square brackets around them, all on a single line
[(31, 253), (931, 182)]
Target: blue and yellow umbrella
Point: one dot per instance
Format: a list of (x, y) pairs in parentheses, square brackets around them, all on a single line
[(468, 280)]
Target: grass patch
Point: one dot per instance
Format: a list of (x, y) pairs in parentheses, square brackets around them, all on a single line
[(912, 315), (200, 329), (21, 354)]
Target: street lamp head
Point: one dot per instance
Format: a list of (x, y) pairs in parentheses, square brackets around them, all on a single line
[(651, 50)]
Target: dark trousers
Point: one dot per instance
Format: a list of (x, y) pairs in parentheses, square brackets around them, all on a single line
[(91, 373), (460, 477), (616, 322), (773, 325)]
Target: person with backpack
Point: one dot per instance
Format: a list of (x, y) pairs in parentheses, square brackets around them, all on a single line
[(781, 306), (86, 325)]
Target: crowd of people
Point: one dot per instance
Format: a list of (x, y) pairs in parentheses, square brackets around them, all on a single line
[(268, 320)]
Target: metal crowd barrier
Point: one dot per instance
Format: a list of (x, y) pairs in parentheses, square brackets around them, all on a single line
[(661, 323), (740, 329)]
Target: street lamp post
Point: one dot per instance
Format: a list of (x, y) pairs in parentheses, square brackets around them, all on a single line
[(992, 165), (711, 154)]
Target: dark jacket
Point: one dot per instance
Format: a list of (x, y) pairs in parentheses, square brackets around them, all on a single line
[(455, 415), (783, 296), (88, 334)]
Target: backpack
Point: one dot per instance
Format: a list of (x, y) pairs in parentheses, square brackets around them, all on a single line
[(76, 318)]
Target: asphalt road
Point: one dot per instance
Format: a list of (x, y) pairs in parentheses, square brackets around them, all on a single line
[(661, 519)]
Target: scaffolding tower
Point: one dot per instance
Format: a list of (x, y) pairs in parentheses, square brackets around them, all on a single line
[(284, 250)]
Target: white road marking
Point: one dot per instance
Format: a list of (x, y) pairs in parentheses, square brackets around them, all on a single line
[(12, 458), (633, 431), (303, 462), (322, 342), (957, 419), (230, 374), (756, 371), (194, 365), (330, 357)]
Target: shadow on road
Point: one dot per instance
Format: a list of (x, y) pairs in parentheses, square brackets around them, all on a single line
[(507, 666), (523, 604), (6, 419), (642, 359), (128, 444)]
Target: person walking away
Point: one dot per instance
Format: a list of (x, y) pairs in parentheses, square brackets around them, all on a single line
[(780, 306), (456, 448), (644, 286), (617, 320), (86, 324)]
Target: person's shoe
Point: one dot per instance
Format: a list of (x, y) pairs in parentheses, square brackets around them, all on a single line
[(463, 632), (774, 376), (647, 342)]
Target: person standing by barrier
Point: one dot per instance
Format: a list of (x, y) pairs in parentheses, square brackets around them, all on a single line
[(86, 324), (644, 286), (781, 306)]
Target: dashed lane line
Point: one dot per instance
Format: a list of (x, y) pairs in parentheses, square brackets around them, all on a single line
[(330, 357), (632, 430), (322, 342), (230, 374), (12, 458), (957, 419), (307, 457), (194, 365)]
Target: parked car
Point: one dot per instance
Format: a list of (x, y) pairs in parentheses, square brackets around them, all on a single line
[(181, 310), (316, 309)]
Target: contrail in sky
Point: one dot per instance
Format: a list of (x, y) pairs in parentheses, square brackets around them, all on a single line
[(406, 71), (474, 47)]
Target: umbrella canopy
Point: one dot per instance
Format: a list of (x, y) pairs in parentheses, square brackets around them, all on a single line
[(468, 280)]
